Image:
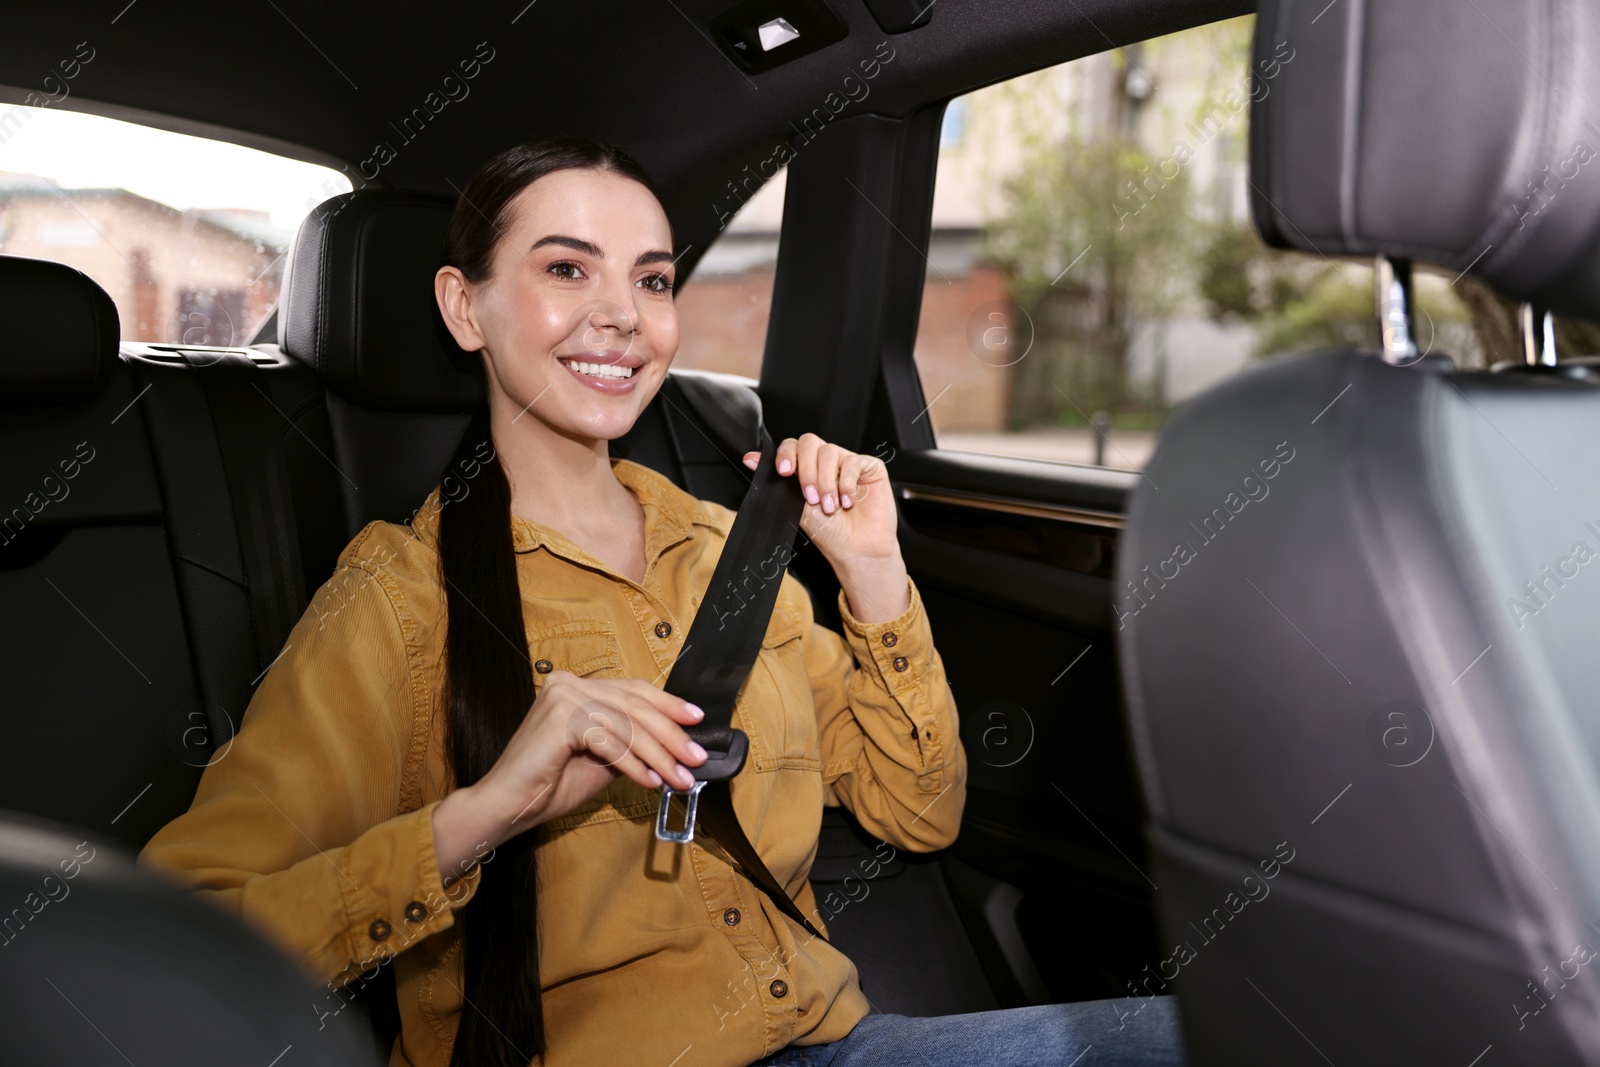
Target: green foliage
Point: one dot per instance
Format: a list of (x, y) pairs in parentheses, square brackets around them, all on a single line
[(1097, 220), (1096, 235), (1294, 302), (1104, 199), (1333, 309), (1224, 277)]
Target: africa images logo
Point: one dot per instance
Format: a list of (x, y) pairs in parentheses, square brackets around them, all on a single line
[(1543, 587)]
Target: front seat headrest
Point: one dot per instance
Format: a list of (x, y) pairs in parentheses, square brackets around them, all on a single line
[(358, 305), (1458, 134), (58, 333)]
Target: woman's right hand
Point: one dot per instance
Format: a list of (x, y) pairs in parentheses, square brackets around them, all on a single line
[(580, 734)]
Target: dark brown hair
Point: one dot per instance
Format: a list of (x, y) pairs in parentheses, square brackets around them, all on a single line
[(488, 680)]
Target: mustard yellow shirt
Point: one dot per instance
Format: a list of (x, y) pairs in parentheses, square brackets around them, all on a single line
[(314, 824)]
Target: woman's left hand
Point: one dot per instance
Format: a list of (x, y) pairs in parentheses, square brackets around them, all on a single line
[(851, 516)]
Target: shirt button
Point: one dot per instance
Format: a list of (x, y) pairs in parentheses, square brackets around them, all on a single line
[(731, 916), (378, 930), (901, 663), (663, 630), (544, 666), (779, 988), (889, 639), (416, 911)]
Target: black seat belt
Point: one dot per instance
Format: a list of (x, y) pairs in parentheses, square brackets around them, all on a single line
[(721, 647)]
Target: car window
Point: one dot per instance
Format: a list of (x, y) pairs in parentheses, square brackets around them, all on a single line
[(723, 307), (186, 234), (1092, 263)]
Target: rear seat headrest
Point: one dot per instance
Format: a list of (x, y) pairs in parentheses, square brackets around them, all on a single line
[(58, 333), (1458, 134), (358, 306)]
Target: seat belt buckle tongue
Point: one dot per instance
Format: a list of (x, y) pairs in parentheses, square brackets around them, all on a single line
[(664, 831), (719, 766)]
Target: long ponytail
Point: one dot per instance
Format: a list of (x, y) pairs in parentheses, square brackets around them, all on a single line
[(488, 679)]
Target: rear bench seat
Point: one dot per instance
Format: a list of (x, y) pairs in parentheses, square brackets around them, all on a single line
[(130, 640), (128, 651), (100, 683)]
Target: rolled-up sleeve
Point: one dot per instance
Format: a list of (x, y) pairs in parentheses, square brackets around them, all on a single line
[(891, 752), (296, 825)]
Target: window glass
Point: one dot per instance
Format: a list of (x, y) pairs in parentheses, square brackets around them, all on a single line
[(1092, 264), (188, 235), (723, 308)]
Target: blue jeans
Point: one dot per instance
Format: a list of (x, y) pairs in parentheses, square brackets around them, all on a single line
[(1128, 1032)]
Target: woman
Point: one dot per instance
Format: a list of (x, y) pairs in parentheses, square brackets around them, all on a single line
[(481, 703)]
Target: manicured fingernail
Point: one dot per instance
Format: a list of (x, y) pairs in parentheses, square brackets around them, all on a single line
[(696, 751), (827, 504), (844, 498), (655, 779), (694, 711), (685, 775), (811, 494), (785, 466)]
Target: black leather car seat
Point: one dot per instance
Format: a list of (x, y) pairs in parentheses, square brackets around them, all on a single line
[(104, 965), (100, 688), (106, 723), (1358, 615)]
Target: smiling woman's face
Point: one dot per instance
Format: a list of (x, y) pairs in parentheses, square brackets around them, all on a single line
[(576, 319)]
